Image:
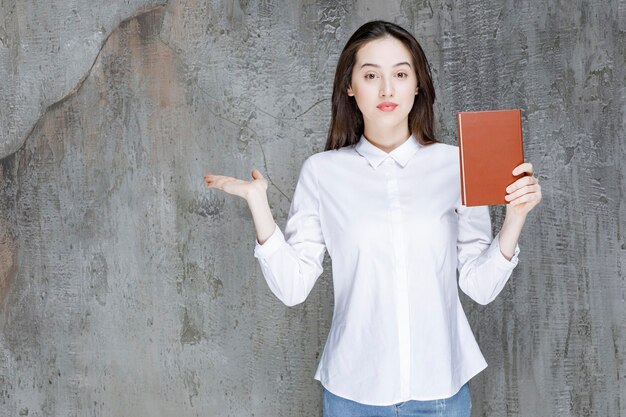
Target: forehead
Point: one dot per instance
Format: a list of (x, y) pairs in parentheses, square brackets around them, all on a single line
[(385, 51)]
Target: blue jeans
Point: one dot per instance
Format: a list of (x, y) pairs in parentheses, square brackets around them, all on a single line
[(459, 405)]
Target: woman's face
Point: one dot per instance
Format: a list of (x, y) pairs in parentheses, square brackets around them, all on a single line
[(383, 72)]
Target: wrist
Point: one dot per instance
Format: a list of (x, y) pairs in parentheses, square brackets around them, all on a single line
[(255, 197), (513, 217)]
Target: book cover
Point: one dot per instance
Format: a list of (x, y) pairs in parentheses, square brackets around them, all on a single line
[(490, 147)]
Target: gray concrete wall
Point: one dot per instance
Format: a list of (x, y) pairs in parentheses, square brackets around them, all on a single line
[(129, 289)]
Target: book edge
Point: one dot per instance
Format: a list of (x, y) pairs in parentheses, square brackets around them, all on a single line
[(521, 144), (463, 189)]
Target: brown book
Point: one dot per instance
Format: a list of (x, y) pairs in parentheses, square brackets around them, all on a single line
[(490, 147)]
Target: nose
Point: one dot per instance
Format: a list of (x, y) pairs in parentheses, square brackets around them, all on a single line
[(386, 88)]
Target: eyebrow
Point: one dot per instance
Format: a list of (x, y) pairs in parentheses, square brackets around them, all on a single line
[(378, 66)]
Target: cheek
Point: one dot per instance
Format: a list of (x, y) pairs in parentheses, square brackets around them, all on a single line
[(408, 88), (363, 89), (365, 93)]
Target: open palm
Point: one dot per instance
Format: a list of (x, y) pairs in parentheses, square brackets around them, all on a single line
[(236, 186)]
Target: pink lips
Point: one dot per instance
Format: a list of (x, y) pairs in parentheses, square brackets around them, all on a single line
[(387, 106)]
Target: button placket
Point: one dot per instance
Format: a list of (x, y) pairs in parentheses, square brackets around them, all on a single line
[(400, 275)]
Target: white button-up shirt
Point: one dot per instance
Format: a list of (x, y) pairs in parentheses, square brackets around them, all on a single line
[(396, 232)]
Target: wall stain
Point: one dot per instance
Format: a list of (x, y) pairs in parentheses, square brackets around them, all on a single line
[(190, 334), (8, 265), (98, 272), (216, 285), (8, 242), (192, 383)]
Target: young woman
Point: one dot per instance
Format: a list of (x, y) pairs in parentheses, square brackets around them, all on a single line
[(384, 200)]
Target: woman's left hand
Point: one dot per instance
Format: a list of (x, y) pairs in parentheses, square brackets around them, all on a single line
[(524, 193)]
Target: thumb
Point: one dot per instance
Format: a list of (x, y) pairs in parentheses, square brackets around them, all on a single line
[(256, 174)]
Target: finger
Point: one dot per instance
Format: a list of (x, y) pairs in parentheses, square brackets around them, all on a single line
[(214, 181), (521, 182), (524, 167), (219, 181), (522, 191), (524, 199), (520, 200)]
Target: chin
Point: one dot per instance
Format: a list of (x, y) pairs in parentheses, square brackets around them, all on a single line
[(390, 119)]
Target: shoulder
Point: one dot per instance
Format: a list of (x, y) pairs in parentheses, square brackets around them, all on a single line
[(442, 147), (316, 163), (441, 151), (325, 159)]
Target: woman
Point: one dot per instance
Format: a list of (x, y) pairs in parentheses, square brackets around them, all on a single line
[(384, 200)]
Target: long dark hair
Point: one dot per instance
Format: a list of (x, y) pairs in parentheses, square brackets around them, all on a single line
[(346, 124)]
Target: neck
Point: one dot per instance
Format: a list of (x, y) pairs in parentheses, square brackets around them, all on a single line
[(387, 139)]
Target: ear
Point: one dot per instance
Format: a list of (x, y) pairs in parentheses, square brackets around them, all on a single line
[(416, 90), (350, 92)]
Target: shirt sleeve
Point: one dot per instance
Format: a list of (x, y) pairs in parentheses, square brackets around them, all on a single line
[(292, 262), (483, 269)]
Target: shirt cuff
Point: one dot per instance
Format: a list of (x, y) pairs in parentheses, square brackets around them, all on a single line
[(496, 254), (271, 245)]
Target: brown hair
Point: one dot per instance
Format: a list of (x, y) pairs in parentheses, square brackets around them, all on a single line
[(346, 124)]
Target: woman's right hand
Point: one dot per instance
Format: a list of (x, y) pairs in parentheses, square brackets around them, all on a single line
[(238, 187)]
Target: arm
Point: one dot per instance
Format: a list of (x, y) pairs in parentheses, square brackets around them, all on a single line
[(261, 215), (509, 234), (483, 268), (523, 195), (291, 263)]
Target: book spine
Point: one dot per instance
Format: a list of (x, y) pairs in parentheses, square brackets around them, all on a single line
[(463, 196), (521, 139)]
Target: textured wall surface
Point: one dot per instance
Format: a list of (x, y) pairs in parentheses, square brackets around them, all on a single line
[(127, 288), (46, 50)]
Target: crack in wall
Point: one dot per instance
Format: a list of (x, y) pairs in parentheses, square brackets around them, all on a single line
[(219, 116), (76, 89), (82, 80), (295, 117)]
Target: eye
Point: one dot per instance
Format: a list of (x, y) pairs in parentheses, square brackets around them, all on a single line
[(403, 74), (367, 76)]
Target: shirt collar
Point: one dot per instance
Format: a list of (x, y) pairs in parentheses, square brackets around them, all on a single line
[(375, 155)]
